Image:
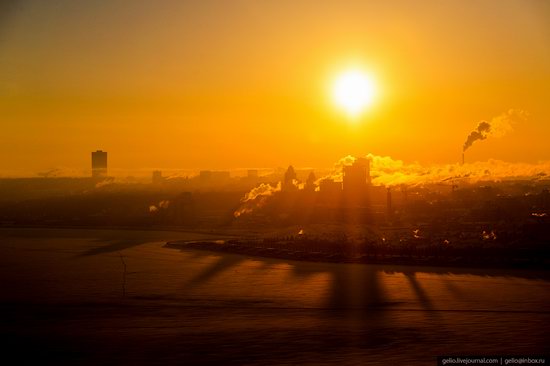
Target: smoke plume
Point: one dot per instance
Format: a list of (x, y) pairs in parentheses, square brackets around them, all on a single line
[(498, 127), (386, 171), (256, 198), (164, 204), (480, 133), (262, 190)]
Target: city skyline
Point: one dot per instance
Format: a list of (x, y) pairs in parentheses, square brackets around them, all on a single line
[(275, 182)]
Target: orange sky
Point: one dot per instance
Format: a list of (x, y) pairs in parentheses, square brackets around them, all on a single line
[(232, 84)]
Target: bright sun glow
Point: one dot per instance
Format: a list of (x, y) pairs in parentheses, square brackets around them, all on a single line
[(354, 91)]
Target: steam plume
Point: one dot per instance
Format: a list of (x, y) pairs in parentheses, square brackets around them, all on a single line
[(387, 171), (498, 127), (256, 198)]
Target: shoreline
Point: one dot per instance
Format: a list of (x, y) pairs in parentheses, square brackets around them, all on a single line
[(222, 246), (174, 229)]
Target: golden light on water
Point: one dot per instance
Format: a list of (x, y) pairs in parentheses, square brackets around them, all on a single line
[(354, 91)]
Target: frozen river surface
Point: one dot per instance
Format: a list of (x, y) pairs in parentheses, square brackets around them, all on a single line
[(119, 297)]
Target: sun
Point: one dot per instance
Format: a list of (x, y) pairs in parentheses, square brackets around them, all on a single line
[(354, 91)]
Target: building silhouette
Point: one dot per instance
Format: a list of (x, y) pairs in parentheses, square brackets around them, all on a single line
[(157, 177), (183, 209), (389, 204), (99, 164), (545, 199), (330, 192), (289, 179), (356, 179), (310, 182), (214, 176)]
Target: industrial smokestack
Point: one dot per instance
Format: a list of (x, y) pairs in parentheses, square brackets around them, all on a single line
[(389, 206)]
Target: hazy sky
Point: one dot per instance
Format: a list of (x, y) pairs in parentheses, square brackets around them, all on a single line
[(229, 84)]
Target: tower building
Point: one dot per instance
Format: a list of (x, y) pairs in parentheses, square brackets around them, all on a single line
[(356, 179), (99, 164)]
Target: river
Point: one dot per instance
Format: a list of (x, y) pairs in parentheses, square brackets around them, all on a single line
[(75, 296)]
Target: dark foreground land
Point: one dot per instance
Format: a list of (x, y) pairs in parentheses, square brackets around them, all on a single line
[(120, 297), (335, 252)]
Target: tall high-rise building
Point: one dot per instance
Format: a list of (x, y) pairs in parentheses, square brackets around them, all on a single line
[(99, 164), (157, 177), (355, 181)]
